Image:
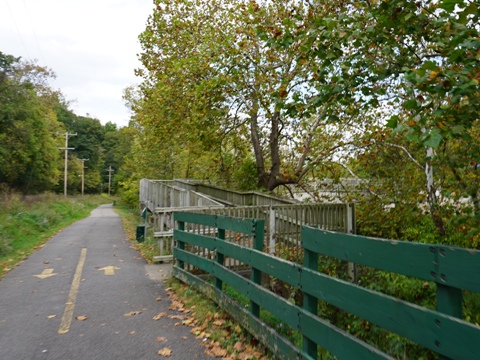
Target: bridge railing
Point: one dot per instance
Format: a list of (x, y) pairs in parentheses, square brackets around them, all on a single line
[(283, 223), (167, 193), (283, 217), (442, 330), (157, 193)]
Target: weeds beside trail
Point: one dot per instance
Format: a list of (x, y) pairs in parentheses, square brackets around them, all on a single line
[(130, 219), (27, 222)]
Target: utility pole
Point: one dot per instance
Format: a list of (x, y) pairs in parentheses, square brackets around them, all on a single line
[(66, 148), (110, 170), (83, 173)]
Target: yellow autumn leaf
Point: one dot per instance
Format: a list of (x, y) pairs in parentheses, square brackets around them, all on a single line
[(434, 73), (131, 313), (188, 322), (165, 352), (239, 347), (218, 322), (159, 316)]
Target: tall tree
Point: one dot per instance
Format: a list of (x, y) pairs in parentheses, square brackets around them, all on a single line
[(216, 81), (28, 126), (415, 63)]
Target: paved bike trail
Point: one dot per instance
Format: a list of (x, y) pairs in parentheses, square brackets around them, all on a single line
[(69, 299)]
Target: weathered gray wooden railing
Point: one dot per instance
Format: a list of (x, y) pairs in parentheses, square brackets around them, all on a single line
[(443, 331), (283, 223), (166, 193), (162, 193), (283, 217)]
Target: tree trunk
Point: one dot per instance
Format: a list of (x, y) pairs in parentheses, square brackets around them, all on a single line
[(432, 196), (257, 147), (274, 178)]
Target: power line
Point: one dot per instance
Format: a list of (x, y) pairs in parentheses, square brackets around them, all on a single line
[(16, 27), (34, 33)]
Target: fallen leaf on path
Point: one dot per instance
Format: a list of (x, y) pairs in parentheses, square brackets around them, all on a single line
[(217, 351), (165, 352), (189, 322), (196, 331), (131, 313), (81, 318), (51, 316), (158, 298), (132, 332), (239, 346), (184, 337), (161, 338), (176, 305), (159, 316), (238, 329), (179, 317), (203, 335)]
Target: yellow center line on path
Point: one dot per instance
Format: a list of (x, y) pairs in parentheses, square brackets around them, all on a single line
[(72, 296)]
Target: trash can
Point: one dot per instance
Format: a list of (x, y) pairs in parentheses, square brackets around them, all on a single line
[(140, 233)]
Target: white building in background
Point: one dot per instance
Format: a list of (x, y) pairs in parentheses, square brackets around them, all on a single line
[(332, 191)]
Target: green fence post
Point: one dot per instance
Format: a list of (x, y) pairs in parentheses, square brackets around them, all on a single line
[(181, 244), (449, 299), (256, 277), (310, 303), (220, 258)]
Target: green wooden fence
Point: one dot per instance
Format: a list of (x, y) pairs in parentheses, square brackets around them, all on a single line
[(443, 330)]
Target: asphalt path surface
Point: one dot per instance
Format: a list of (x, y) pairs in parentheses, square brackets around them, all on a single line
[(69, 299)]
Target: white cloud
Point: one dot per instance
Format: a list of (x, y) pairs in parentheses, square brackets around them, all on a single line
[(92, 46)]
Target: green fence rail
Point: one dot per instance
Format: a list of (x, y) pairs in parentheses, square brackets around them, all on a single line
[(443, 330)]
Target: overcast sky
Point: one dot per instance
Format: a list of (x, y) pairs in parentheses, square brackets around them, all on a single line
[(91, 45)]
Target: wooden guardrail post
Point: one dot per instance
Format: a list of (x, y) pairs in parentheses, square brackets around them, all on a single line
[(220, 258), (271, 230), (310, 302), (181, 244), (449, 299), (258, 236)]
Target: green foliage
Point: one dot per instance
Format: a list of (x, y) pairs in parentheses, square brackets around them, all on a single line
[(412, 66), (130, 192), (224, 89), (28, 147), (32, 119), (245, 175)]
